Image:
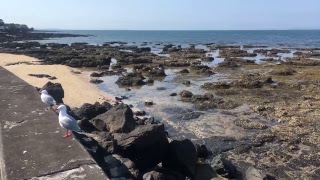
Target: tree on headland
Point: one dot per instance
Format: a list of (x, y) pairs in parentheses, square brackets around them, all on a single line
[(1, 22)]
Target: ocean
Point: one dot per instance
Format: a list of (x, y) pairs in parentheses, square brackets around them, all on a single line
[(273, 38)]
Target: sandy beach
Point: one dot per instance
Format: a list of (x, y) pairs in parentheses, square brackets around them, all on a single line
[(76, 87)]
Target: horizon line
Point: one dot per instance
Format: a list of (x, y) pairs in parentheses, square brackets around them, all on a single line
[(55, 29)]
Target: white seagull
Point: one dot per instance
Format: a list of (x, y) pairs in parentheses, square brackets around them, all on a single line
[(67, 122), (47, 98)]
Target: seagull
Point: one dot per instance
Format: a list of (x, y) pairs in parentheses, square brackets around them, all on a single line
[(47, 98), (67, 122)]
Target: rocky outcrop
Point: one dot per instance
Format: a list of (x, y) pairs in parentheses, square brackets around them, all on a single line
[(89, 62), (96, 81), (119, 167), (88, 111), (235, 62), (181, 157), (131, 79), (43, 76), (118, 119), (185, 94), (146, 145)]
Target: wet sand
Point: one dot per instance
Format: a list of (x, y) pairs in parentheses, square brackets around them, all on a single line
[(76, 87)]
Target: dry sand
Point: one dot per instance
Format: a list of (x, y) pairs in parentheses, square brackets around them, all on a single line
[(77, 89)]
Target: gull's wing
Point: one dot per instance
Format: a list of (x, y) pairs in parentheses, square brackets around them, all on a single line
[(68, 123), (48, 99)]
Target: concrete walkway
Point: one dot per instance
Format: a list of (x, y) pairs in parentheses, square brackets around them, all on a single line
[(31, 143)]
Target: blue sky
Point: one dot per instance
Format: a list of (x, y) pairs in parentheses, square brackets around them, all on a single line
[(163, 14)]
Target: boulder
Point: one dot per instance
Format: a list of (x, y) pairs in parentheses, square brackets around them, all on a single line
[(96, 81), (181, 157), (88, 111), (118, 119), (96, 74), (223, 167), (185, 94), (89, 62), (173, 94), (119, 167), (157, 73), (146, 145), (205, 172), (202, 151), (131, 79), (184, 71), (55, 90)]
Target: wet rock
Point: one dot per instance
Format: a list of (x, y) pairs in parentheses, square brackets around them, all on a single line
[(97, 74), (215, 47), (157, 73), (181, 157), (205, 172), (191, 115), (184, 71), (202, 151), (186, 94), (235, 62), (142, 49), (186, 83), (223, 167), (247, 124), (163, 175), (116, 66), (173, 94), (216, 85), (88, 111), (199, 67), (146, 145), (118, 119), (119, 167), (55, 90), (140, 113), (131, 79), (208, 58), (89, 62), (219, 144), (148, 102), (161, 88), (235, 53), (96, 81), (150, 81)]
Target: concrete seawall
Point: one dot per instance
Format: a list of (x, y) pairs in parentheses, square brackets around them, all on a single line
[(31, 143)]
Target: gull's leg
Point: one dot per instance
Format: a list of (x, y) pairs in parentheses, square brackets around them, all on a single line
[(66, 135), (70, 132)]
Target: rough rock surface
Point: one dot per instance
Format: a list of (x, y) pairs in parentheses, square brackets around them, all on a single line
[(181, 157), (146, 145), (118, 119)]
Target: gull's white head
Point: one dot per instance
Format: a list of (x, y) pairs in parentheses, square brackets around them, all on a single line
[(62, 108), (44, 92)]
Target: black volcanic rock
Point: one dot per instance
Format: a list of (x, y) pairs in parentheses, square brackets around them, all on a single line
[(181, 157), (146, 146), (118, 119)]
